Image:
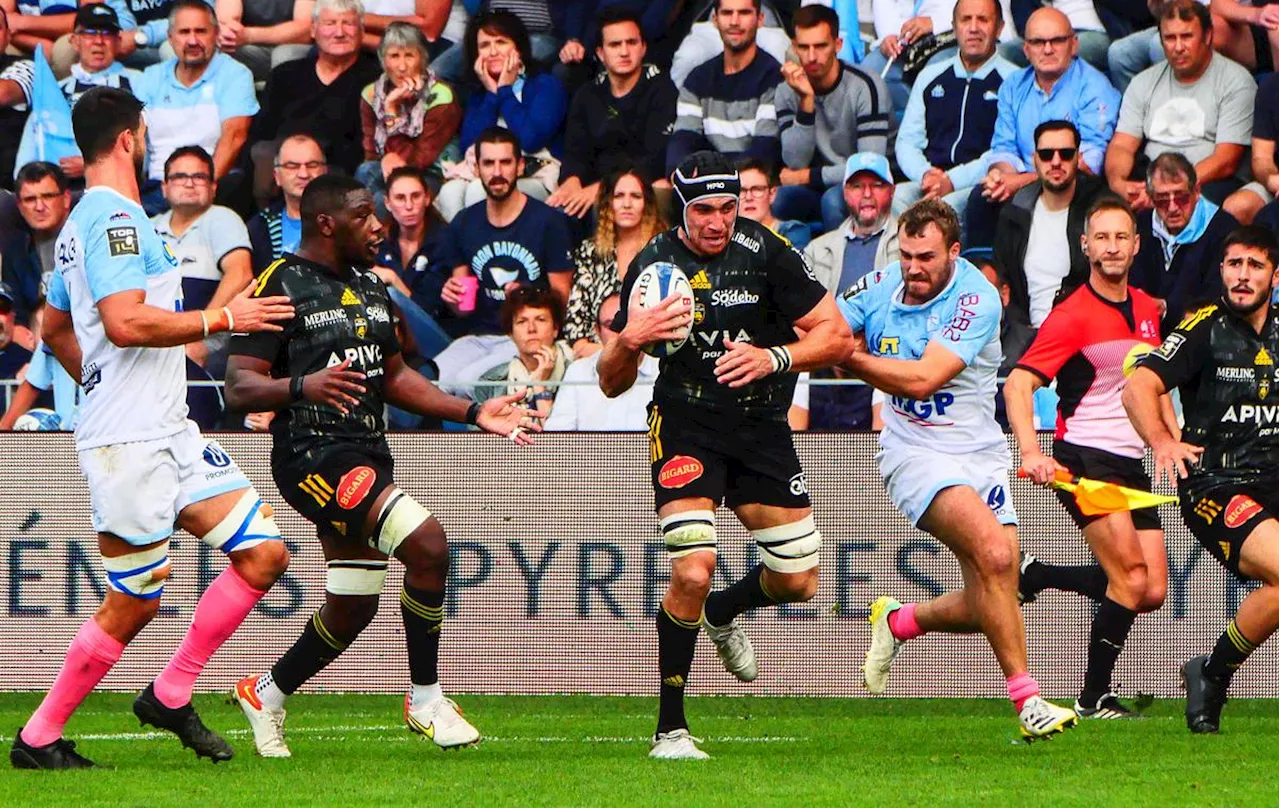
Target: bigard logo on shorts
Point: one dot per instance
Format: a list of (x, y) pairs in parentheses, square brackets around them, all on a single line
[(354, 486), (1240, 510), (679, 471)]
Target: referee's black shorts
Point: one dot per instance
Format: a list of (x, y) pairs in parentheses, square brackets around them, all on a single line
[(1099, 464)]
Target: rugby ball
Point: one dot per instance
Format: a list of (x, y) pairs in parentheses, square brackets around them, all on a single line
[(38, 420), (1134, 358), (656, 283)]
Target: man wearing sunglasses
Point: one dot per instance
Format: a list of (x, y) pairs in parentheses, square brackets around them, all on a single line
[(1181, 240), (1044, 220)]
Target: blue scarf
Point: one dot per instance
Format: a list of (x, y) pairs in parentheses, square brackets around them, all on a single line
[(1196, 227)]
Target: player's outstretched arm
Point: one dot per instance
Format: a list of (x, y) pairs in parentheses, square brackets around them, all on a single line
[(59, 333), (251, 387), (910, 378), (502, 415), (1019, 399), (620, 360), (1142, 400), (130, 323)]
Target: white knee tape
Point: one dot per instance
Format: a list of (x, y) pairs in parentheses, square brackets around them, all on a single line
[(789, 548), (248, 524), (399, 517), (141, 574), (689, 532), (355, 577)]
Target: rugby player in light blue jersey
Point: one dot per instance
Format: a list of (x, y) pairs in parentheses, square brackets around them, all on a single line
[(931, 326)]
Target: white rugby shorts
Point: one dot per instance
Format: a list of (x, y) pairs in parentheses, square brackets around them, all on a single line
[(138, 489), (913, 476)]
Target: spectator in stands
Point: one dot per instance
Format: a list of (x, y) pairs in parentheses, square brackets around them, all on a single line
[(1198, 103), (409, 116), (1058, 85), (538, 20), (144, 33), (430, 17), (513, 94), (580, 406), (705, 40), (14, 357), (45, 384), (1037, 247), (318, 95), (1245, 203), (531, 317), (868, 239), (756, 197), (38, 24), (580, 25), (1247, 32), (1132, 54), (277, 229), (16, 77), (945, 138), (27, 258), (507, 241), (1180, 240), (199, 98), (727, 103), (264, 34), (827, 110), (627, 217), (900, 25), (623, 118), (1088, 28), (210, 242)]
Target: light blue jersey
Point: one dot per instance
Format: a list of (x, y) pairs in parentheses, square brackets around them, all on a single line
[(965, 319), (130, 394)]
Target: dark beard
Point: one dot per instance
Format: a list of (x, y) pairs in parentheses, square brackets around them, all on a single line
[(1059, 188), (1245, 311), (496, 196)]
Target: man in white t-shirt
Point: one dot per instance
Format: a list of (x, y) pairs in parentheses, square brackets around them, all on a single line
[(1036, 232)]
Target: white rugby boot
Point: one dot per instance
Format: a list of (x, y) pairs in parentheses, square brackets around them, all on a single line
[(267, 724), (884, 646), (735, 650), (677, 744), (442, 722)]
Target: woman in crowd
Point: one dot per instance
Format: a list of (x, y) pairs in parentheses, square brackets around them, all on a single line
[(532, 317), (628, 217), (409, 115), (511, 93)]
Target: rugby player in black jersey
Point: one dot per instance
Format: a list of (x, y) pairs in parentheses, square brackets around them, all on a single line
[(718, 422), (329, 375), (1222, 358)]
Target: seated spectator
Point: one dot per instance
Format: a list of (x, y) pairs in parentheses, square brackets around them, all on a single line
[(580, 25), (27, 258), (318, 95), (901, 25), (1247, 32), (1265, 155), (447, 46), (1088, 28), (16, 79), (144, 36), (410, 261), (727, 103), (1179, 240), (210, 242), (277, 229), (513, 94), (627, 217), (500, 244), (945, 139), (827, 110), (531, 317), (580, 406), (868, 239), (38, 24), (755, 202), (199, 98), (538, 20), (1198, 103), (264, 34), (409, 116), (45, 385), (1056, 86), (705, 40), (621, 119), (14, 357), (1134, 53), (1037, 248)]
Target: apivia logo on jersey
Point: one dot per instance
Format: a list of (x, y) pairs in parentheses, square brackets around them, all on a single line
[(368, 358)]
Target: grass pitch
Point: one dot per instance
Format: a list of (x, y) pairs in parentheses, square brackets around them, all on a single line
[(574, 750)]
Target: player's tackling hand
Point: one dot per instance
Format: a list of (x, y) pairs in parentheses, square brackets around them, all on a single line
[(1174, 458), (1039, 469), (504, 416), (258, 313), (662, 322), (337, 386), (742, 364)]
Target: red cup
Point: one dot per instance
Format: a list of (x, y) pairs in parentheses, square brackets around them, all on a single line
[(467, 300)]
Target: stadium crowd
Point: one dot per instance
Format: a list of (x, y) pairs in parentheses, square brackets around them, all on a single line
[(519, 152)]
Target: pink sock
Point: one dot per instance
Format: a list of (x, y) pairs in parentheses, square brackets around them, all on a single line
[(91, 655), (221, 610), (1021, 688), (903, 625)]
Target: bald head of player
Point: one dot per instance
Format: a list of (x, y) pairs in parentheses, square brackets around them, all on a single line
[(112, 136), (1110, 239), (1248, 269), (929, 244), (340, 224), (707, 187)]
